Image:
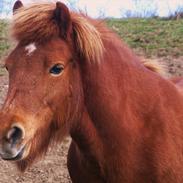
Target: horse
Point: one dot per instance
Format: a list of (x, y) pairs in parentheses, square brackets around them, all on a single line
[(71, 75)]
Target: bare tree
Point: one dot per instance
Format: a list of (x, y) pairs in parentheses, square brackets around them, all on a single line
[(5, 8), (126, 13), (73, 4), (145, 8), (101, 12), (178, 14)]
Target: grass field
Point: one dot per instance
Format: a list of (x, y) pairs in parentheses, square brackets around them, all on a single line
[(152, 37), (4, 43)]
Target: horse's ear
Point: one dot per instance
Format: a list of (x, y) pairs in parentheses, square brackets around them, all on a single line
[(62, 17), (18, 4)]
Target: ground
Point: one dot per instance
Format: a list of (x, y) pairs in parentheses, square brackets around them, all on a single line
[(52, 168)]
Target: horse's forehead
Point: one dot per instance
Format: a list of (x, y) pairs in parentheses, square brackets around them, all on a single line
[(51, 46), (35, 52), (30, 48)]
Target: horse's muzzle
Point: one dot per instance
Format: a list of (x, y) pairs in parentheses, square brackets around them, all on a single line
[(11, 145)]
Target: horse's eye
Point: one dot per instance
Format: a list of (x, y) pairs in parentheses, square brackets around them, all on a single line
[(57, 69)]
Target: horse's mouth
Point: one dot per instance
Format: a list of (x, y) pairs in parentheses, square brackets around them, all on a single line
[(18, 156)]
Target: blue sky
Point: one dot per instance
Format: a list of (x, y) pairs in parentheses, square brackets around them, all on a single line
[(116, 8)]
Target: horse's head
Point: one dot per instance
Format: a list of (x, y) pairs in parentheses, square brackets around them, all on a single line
[(45, 88)]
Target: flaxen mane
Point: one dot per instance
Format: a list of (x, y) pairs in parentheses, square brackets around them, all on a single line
[(154, 66), (36, 24)]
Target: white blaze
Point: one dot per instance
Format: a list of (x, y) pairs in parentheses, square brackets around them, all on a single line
[(30, 48)]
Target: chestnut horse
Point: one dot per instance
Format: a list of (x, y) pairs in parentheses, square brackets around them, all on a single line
[(69, 74)]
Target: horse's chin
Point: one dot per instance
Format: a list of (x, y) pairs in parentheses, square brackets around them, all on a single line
[(25, 152)]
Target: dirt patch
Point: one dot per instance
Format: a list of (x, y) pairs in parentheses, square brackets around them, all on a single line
[(173, 66), (53, 169)]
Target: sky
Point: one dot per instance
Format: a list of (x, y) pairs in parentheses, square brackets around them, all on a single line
[(117, 8)]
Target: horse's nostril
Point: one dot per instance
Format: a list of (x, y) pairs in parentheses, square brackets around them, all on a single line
[(15, 134)]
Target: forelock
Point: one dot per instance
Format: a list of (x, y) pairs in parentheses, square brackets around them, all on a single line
[(36, 24)]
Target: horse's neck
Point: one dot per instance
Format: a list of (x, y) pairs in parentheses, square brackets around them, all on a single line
[(118, 88), (106, 85), (103, 84)]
